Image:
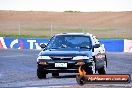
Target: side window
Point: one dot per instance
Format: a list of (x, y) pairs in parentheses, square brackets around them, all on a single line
[(95, 40)]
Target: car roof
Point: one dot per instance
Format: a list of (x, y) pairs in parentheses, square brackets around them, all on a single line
[(86, 34)]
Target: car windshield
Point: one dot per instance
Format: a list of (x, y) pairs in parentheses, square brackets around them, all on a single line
[(70, 41)]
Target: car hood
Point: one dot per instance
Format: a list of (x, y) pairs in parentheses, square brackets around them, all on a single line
[(61, 52)]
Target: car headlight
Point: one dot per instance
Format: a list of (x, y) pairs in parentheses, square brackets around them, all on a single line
[(80, 57), (44, 57)]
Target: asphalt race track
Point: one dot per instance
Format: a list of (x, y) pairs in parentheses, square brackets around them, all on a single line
[(18, 69)]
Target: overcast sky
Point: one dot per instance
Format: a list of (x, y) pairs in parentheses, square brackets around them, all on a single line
[(65, 5)]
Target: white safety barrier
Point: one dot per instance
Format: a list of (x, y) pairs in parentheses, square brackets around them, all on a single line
[(127, 45)]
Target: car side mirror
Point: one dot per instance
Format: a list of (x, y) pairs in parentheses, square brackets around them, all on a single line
[(43, 45), (96, 46)]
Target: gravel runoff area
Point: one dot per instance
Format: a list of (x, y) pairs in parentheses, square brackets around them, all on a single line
[(18, 69)]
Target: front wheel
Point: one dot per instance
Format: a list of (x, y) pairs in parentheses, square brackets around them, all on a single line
[(88, 69), (41, 74)]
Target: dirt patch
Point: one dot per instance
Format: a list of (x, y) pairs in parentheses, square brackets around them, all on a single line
[(102, 24)]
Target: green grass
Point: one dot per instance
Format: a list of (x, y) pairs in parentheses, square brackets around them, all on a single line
[(22, 36)]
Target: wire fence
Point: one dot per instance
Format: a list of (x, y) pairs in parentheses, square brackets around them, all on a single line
[(48, 30)]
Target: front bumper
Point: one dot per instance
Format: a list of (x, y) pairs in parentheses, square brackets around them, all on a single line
[(72, 66), (62, 70)]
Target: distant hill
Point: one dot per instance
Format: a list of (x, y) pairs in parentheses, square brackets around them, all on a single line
[(102, 24)]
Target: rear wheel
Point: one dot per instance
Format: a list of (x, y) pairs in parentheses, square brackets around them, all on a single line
[(102, 70), (55, 74)]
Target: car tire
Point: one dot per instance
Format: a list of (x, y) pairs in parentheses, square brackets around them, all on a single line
[(81, 80), (55, 74), (41, 74), (102, 70), (88, 69)]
